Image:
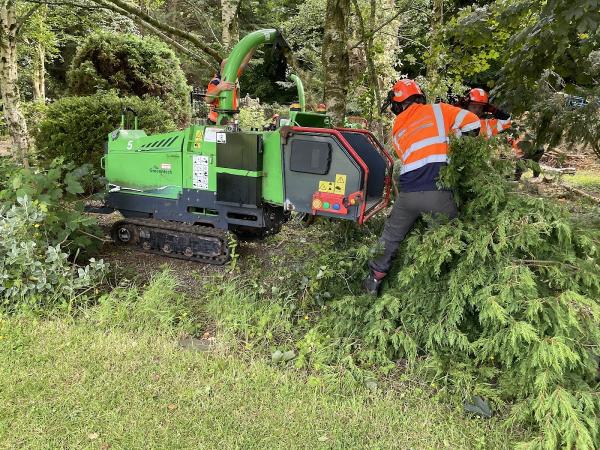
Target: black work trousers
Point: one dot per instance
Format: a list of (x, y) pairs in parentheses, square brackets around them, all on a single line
[(534, 155), (409, 207)]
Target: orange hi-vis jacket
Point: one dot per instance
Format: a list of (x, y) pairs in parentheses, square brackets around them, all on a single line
[(491, 127), (421, 133), (214, 115), (515, 143)]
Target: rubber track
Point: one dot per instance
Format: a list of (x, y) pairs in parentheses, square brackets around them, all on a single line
[(181, 228)]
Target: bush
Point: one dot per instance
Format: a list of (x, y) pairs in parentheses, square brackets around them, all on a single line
[(252, 114), (8, 167), (134, 67), (76, 128), (56, 192), (34, 273)]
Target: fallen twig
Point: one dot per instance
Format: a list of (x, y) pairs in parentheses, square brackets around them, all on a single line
[(558, 170), (580, 192), (541, 263)]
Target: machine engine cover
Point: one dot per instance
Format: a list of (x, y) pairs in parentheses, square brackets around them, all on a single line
[(241, 151)]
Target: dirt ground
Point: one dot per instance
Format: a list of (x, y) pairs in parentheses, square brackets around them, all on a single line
[(133, 263), (580, 157)]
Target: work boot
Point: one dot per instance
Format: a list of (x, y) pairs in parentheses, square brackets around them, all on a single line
[(372, 284)]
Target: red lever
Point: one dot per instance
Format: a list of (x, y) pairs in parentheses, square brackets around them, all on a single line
[(353, 199)]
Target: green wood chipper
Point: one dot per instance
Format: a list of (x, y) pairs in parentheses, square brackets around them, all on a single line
[(186, 193)]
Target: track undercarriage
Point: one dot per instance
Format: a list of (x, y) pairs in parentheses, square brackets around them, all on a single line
[(175, 240)]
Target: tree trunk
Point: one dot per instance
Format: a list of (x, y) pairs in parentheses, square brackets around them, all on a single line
[(367, 37), (390, 43), (39, 75), (436, 49), (230, 31), (8, 79), (336, 63)]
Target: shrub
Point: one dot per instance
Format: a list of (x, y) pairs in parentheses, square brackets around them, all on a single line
[(35, 274), (77, 128), (134, 67), (252, 114), (8, 166), (56, 192)]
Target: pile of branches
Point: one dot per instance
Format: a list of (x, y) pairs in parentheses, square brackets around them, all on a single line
[(504, 302)]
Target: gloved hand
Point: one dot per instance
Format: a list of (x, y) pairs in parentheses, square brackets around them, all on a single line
[(497, 113), (225, 86), (490, 109)]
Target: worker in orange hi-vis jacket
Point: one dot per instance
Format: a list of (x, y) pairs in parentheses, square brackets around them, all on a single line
[(493, 120), (420, 135), (216, 86), (524, 149)]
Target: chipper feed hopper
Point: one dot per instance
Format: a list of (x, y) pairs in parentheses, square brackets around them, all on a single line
[(186, 193)]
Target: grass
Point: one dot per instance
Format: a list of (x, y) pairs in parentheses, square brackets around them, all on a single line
[(115, 377), (587, 180), (70, 384)]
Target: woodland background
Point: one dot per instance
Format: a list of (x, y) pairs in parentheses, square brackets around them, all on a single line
[(488, 332)]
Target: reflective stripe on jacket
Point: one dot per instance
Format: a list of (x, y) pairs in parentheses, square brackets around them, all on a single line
[(214, 104), (491, 127), (421, 133)]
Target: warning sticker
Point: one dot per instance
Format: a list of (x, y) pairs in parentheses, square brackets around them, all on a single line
[(198, 139), (200, 172), (221, 138), (165, 166), (340, 184), (210, 134), (326, 186)]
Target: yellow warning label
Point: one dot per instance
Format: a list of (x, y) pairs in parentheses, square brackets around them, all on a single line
[(326, 186), (340, 184), (198, 139)]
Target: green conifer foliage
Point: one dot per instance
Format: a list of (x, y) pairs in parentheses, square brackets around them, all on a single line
[(504, 300), (133, 66)]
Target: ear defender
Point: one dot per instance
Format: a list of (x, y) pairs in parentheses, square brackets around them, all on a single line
[(397, 108)]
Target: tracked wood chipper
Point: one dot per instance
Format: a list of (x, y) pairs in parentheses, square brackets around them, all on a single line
[(185, 194)]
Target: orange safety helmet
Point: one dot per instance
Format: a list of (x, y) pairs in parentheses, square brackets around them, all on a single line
[(478, 95), (404, 89)]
